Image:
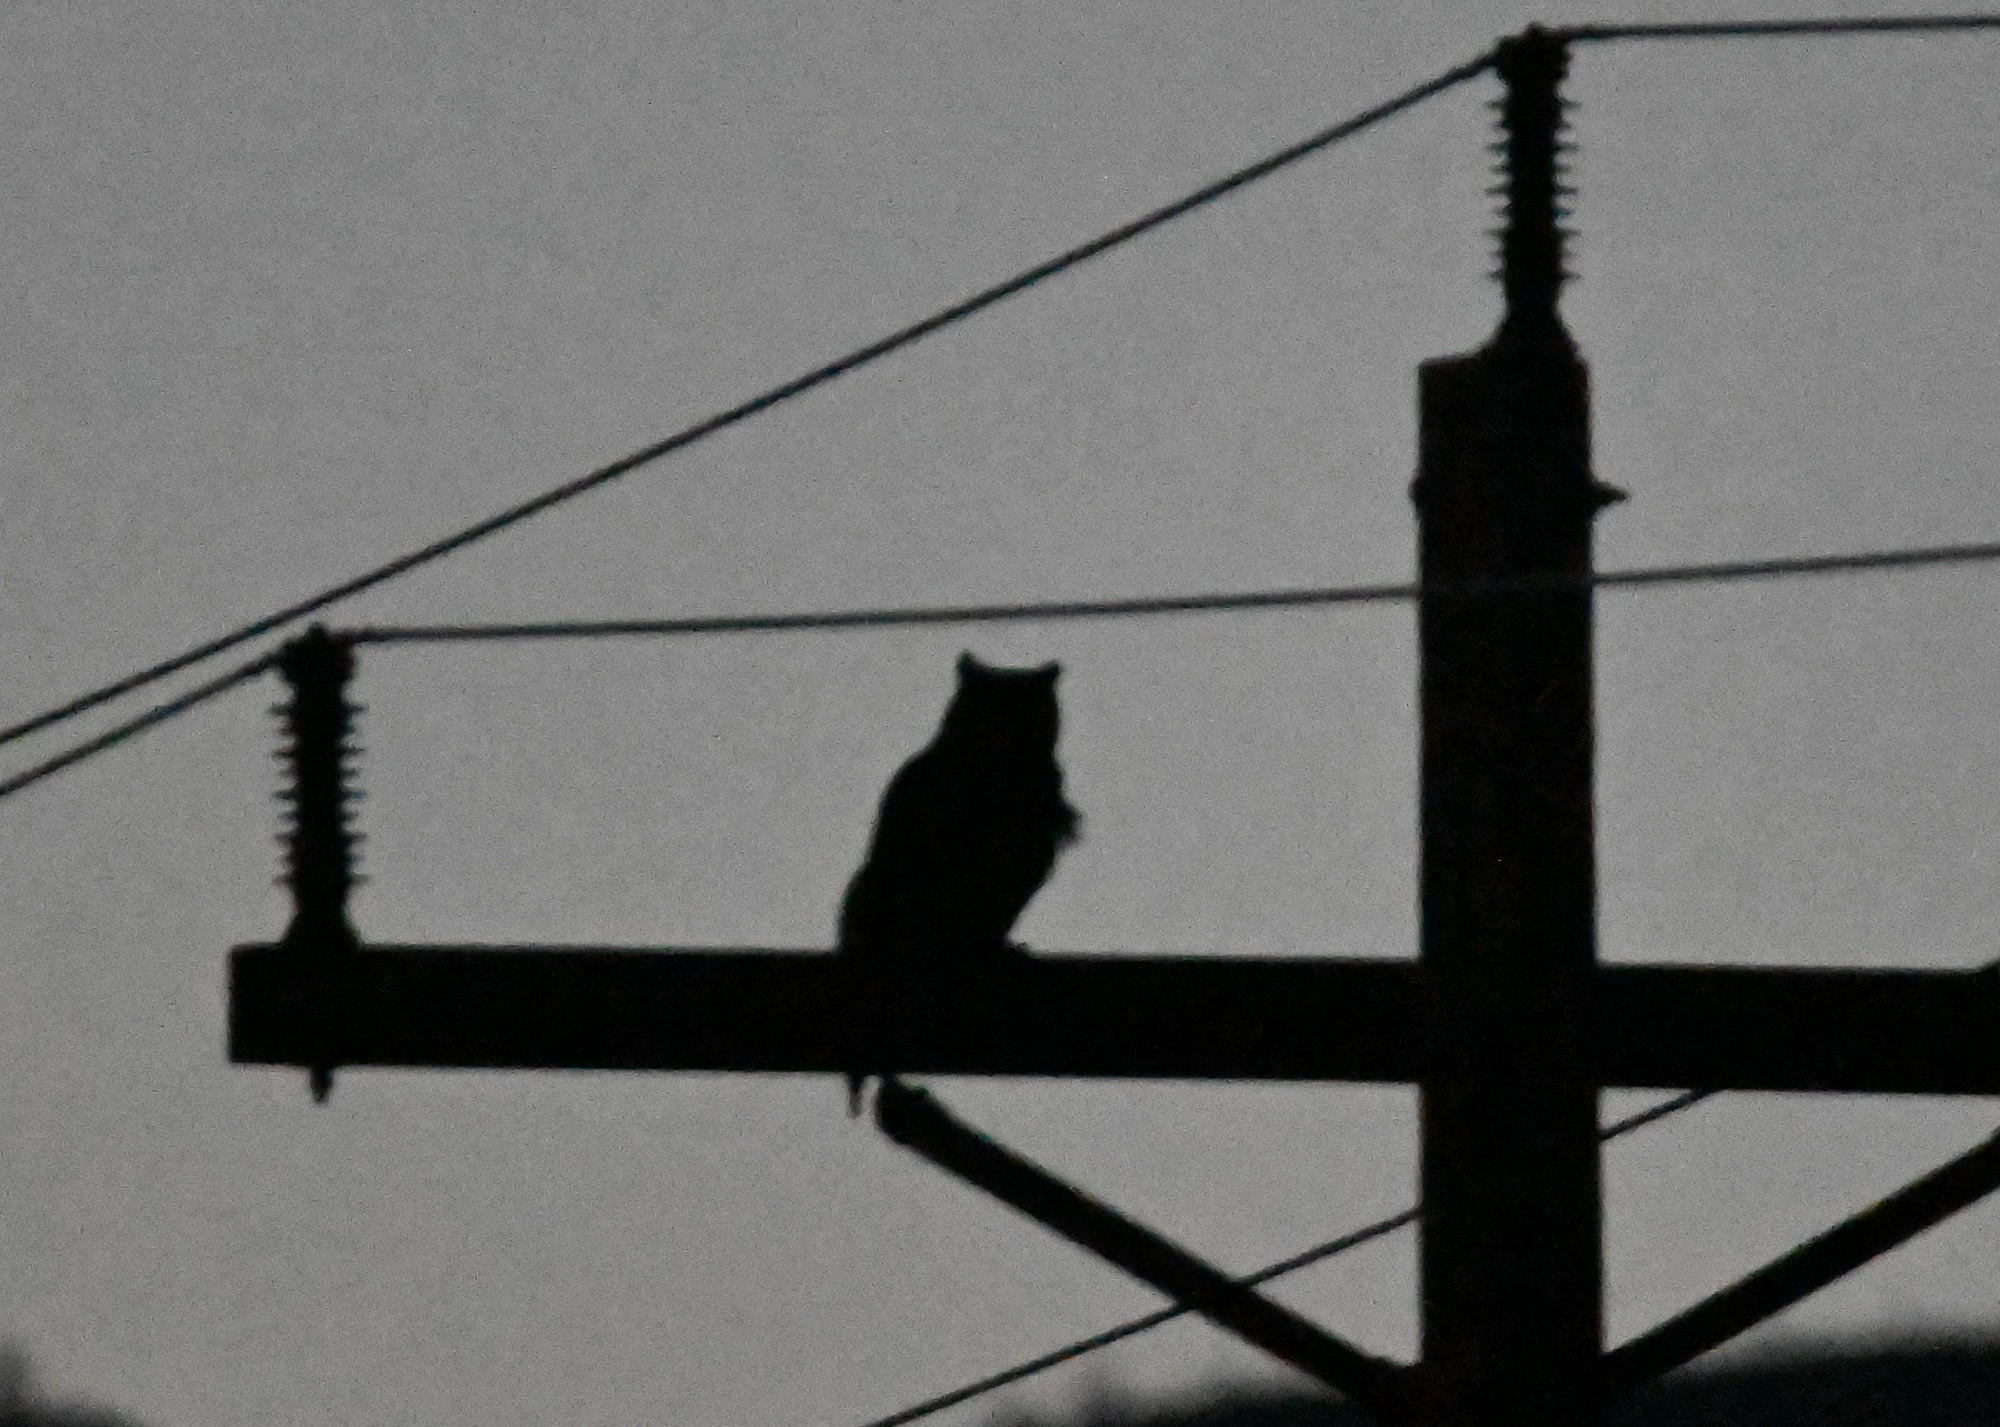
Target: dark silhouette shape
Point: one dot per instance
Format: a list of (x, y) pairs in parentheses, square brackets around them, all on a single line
[(968, 833), (1910, 1384), (22, 1406)]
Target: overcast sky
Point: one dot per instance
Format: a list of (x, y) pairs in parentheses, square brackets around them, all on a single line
[(290, 290)]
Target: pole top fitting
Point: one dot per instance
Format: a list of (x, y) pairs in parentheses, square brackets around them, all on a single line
[(1531, 65)]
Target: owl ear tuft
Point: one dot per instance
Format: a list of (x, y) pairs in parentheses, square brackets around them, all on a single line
[(969, 668)]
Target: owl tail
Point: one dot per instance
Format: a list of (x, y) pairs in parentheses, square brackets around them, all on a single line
[(855, 1083)]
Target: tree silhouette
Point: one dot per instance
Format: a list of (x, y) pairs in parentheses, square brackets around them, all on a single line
[(1908, 1384), (22, 1406)]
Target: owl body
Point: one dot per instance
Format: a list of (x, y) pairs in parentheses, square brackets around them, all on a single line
[(968, 832), (969, 828)]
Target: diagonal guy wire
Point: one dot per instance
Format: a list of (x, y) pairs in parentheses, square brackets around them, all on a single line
[(798, 386)]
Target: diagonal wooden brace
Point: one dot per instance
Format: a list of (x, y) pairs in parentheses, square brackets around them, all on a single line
[(1808, 1268), (913, 1119)]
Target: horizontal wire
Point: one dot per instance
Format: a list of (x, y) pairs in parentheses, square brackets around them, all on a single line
[(1715, 573), (878, 618), (1964, 553), (131, 728), (798, 386), (1771, 29), (976, 614)]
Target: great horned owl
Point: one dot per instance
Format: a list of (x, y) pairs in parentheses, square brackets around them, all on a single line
[(968, 832)]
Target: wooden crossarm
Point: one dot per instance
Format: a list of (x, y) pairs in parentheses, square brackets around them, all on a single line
[(1798, 1028), (1117, 1017), (600, 1008)]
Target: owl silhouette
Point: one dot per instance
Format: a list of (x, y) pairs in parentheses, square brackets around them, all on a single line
[(968, 832)]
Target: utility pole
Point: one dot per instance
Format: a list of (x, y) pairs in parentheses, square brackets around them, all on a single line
[(1506, 1023), (1511, 1261)]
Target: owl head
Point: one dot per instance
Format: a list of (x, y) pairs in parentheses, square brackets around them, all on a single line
[(1010, 709)]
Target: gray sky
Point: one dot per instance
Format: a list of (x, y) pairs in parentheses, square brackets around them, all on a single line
[(291, 290)]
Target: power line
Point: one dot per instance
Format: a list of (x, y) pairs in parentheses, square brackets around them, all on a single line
[(1714, 573), (1777, 29), (1972, 553), (885, 346), (1354, 1239), (1672, 1105), (883, 618), (1136, 1326), (1724, 572), (798, 386), (949, 316), (131, 728)]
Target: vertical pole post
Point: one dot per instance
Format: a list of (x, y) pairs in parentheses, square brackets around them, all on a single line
[(1511, 1256)]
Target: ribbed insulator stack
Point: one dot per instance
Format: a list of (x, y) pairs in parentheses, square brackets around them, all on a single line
[(1531, 170), (319, 838)]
